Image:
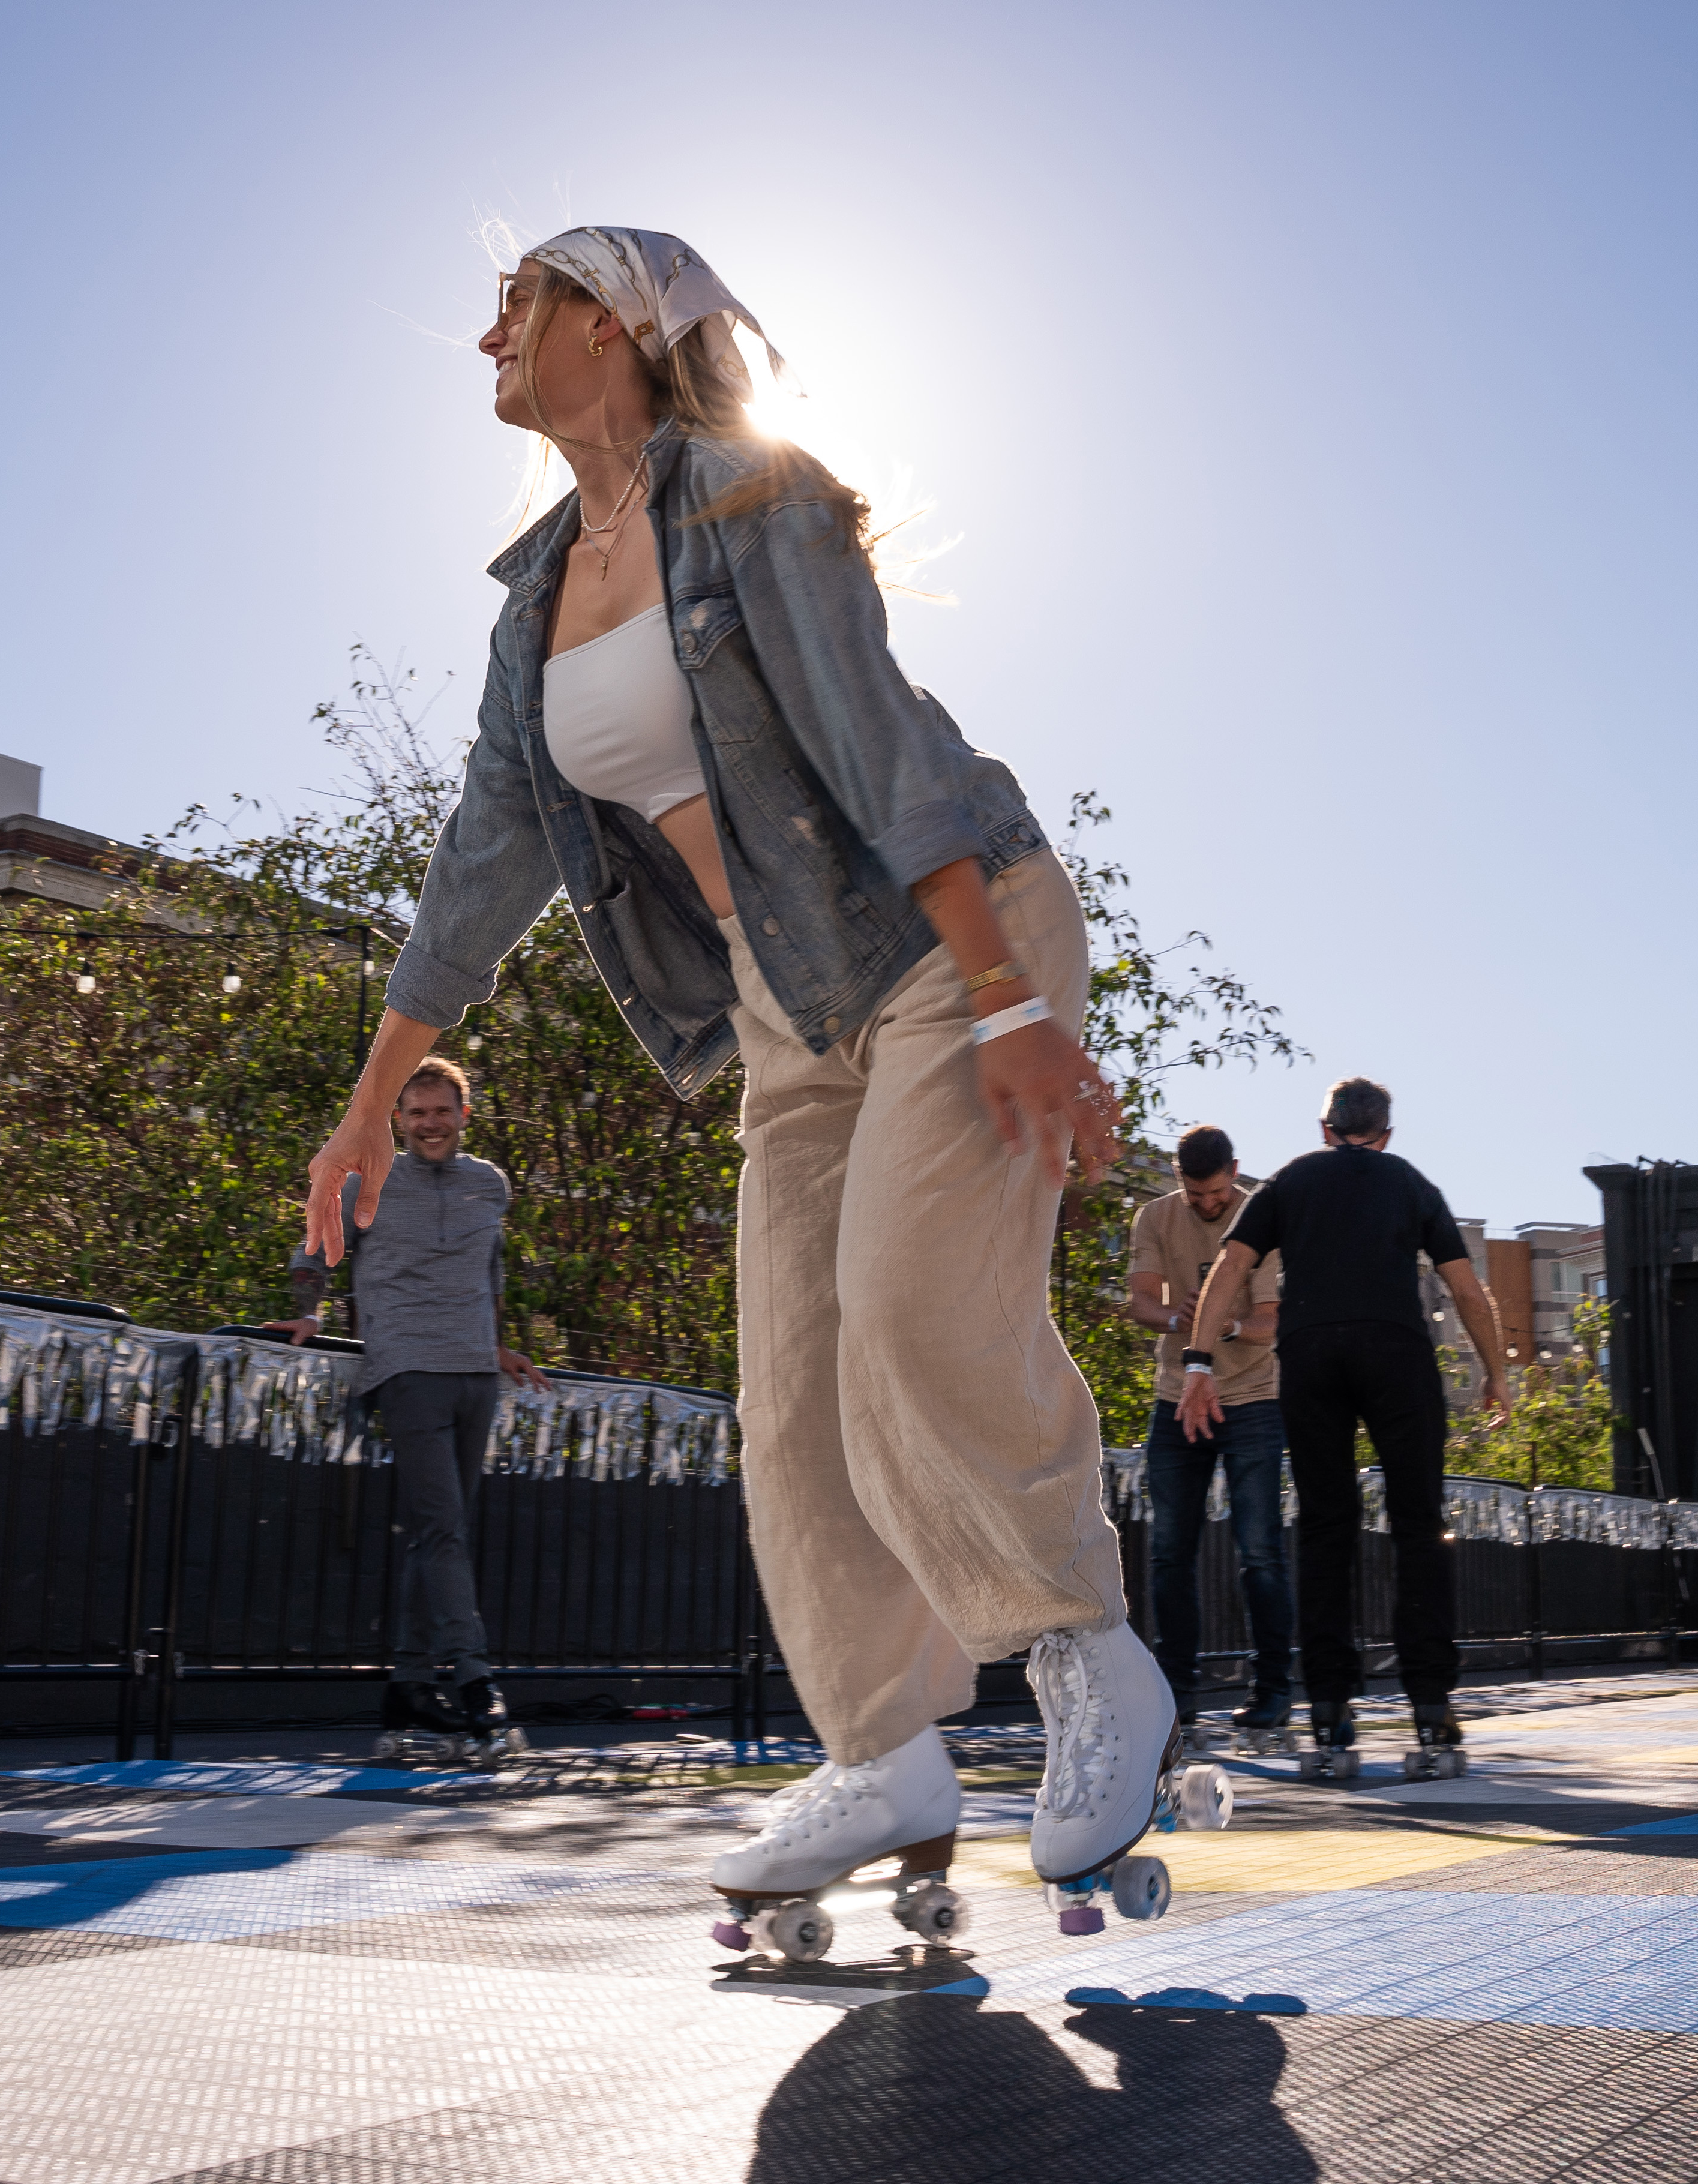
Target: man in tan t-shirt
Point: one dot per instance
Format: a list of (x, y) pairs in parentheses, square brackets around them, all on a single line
[(1174, 1242)]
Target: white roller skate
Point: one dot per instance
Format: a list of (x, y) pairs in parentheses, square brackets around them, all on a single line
[(883, 1824), (1114, 1768)]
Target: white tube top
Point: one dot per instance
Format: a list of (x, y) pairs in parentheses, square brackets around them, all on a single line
[(617, 717)]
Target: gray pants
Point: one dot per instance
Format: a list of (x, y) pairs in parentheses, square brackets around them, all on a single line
[(438, 1424)]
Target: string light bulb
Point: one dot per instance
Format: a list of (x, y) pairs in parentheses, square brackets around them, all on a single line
[(473, 1043), (367, 968), (84, 978), (231, 980)]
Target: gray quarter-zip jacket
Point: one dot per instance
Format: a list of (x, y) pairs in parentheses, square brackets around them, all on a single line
[(427, 1273)]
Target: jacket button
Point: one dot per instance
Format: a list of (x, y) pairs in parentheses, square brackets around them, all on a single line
[(770, 925), (834, 1025)]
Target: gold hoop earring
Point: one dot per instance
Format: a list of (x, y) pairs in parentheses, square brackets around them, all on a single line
[(595, 347)]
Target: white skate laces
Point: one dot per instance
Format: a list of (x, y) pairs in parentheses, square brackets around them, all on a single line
[(779, 1803), (830, 1793), (1068, 1672)]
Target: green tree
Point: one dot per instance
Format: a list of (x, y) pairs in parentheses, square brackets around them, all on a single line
[(1558, 1430), (159, 1126)]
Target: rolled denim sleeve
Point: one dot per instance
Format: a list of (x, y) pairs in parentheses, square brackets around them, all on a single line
[(491, 877), (885, 751)]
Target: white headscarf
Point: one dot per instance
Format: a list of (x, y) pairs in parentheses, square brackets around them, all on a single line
[(659, 289)]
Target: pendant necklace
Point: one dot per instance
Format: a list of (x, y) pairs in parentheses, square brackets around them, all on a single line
[(589, 530)]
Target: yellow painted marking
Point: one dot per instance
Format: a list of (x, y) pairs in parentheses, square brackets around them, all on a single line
[(1303, 1861)]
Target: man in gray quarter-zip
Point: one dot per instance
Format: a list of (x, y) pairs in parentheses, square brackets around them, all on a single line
[(427, 1284)]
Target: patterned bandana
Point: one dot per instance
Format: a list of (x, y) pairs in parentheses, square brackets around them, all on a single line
[(660, 289)]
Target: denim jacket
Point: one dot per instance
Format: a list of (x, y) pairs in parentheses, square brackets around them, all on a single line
[(835, 785)]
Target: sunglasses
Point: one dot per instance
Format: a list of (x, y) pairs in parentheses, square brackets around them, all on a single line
[(511, 288)]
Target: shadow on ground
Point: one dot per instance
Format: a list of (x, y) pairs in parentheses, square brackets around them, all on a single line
[(941, 2089)]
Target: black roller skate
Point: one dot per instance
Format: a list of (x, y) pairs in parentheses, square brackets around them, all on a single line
[(492, 1737), (422, 1726), (1335, 1757), (1265, 1725), (1440, 1753)]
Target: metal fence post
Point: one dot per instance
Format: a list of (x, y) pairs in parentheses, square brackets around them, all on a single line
[(134, 1582), (758, 1659), (741, 1573), (1535, 1590), (165, 1701)]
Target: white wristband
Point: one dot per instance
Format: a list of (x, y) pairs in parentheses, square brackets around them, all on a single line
[(1199, 1369), (1015, 1019)]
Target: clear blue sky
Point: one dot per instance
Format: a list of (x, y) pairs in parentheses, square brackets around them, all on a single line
[(1310, 385)]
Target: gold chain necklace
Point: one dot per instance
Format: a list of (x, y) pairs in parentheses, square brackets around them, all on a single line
[(587, 530)]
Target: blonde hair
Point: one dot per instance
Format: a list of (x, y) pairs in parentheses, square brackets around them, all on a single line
[(689, 388)]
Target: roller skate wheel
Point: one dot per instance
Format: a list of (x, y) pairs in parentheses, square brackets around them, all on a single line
[(445, 1751), (388, 1746), (728, 1935), (516, 1740), (1310, 1764), (798, 1932), (1414, 1765), (1347, 1764), (1142, 1889), (1452, 1763), (1205, 1796), (935, 1914)]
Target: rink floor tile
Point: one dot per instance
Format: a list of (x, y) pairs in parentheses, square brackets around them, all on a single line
[(1491, 1994)]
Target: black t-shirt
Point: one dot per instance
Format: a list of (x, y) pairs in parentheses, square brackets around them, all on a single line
[(1347, 1223)]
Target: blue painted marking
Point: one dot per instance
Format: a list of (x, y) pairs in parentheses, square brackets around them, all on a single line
[(216, 1896), (1682, 1824), (1189, 1998), (251, 1778)]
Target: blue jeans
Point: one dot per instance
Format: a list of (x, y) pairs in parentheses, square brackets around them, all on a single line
[(1250, 1444)]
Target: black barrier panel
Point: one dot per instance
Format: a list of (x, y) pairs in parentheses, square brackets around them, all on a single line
[(286, 1565), (125, 1551), (577, 1573), (1587, 1586), (66, 1512)]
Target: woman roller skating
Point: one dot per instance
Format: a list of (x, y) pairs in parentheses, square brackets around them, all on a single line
[(776, 845)]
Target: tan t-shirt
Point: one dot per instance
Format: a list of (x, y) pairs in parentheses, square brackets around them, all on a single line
[(1169, 1240)]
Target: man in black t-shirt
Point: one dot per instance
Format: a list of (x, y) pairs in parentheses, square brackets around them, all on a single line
[(1348, 1223)]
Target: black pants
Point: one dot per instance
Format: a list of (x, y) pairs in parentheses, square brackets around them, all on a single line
[(1387, 1377), (438, 1424)]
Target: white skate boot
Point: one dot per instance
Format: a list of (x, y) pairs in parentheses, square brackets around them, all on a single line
[(899, 1808), (1115, 1748)]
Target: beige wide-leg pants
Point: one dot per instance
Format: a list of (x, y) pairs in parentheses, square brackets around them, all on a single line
[(922, 1456)]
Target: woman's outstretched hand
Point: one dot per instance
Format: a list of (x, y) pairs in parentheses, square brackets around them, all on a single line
[(363, 1144), (1037, 1080), (358, 1145)]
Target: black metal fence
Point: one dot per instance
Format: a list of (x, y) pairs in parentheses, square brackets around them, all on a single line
[(178, 1511), (1560, 1573)]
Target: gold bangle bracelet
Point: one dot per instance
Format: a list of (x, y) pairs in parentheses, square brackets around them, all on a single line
[(994, 976)]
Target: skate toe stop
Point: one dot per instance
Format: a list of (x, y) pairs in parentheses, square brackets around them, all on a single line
[(727, 1935), (1085, 1919)]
